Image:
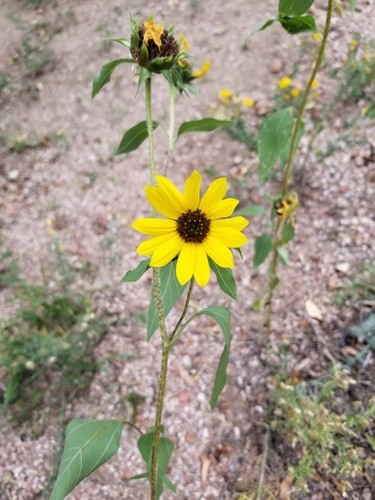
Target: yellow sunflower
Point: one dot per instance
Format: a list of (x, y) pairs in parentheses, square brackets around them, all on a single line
[(195, 227)]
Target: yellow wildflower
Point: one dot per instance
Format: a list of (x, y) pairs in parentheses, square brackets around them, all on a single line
[(285, 82), (204, 69), (226, 94), (295, 92), (195, 228), (314, 84), (246, 101), (317, 37), (153, 32)]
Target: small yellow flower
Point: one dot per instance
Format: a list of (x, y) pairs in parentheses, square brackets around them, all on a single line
[(317, 37), (204, 69), (194, 228), (285, 82), (153, 32), (314, 84), (353, 44), (225, 94), (246, 101), (295, 92)]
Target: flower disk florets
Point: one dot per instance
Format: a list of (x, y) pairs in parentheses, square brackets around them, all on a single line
[(193, 226)]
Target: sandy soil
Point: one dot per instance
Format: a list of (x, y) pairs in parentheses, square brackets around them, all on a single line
[(95, 196)]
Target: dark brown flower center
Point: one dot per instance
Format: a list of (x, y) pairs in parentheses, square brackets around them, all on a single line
[(193, 226)]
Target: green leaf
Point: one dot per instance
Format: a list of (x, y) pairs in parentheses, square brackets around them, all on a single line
[(203, 125), (263, 246), (220, 377), (266, 24), (287, 233), (171, 291), (224, 278), (283, 255), (105, 74), (137, 273), (274, 136), (298, 24), (134, 137), (222, 316), (353, 4), (371, 441), (370, 112), (294, 7), (88, 444), (250, 211), (164, 455)]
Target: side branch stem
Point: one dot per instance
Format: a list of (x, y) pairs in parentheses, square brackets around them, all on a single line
[(272, 276), (172, 98), (150, 130)]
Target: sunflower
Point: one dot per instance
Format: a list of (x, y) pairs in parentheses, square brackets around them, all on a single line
[(195, 228)]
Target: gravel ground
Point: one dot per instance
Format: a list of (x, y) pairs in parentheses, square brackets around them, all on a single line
[(214, 450)]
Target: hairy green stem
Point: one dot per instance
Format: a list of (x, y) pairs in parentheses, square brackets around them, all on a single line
[(172, 98), (272, 274), (263, 465), (158, 418), (150, 130)]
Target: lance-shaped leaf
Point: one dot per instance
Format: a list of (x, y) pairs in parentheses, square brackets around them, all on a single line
[(224, 278), (171, 291), (263, 246), (134, 137), (164, 455), (203, 125), (88, 444), (222, 316), (250, 211), (105, 74), (274, 137), (137, 273), (294, 7), (298, 24)]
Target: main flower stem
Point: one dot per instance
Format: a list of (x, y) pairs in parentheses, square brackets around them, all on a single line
[(172, 98), (158, 418), (272, 274), (160, 311)]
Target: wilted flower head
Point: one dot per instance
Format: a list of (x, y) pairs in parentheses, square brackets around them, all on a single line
[(152, 46)]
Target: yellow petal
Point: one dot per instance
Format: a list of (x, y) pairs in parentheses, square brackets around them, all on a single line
[(223, 208), (238, 222), (157, 201), (204, 69), (192, 190), (213, 195), (230, 237), (185, 266), (153, 32), (154, 226), (171, 194), (166, 251), (148, 247), (218, 252), (201, 267)]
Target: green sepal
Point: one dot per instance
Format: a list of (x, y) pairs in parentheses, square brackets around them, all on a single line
[(134, 137), (121, 41), (105, 74), (137, 273)]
